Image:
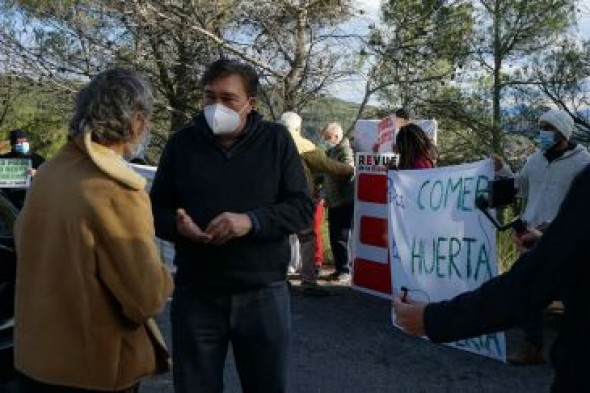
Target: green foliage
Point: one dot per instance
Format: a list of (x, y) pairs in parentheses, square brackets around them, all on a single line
[(506, 250), (38, 110), (298, 42), (561, 76), (173, 41), (324, 111), (420, 43), (448, 59)]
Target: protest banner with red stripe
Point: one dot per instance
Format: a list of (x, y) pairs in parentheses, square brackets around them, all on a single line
[(369, 251)]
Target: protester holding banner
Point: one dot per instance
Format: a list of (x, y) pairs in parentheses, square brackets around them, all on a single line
[(315, 161), (556, 267), (20, 148), (89, 276), (229, 189), (414, 148), (542, 184), (340, 201)]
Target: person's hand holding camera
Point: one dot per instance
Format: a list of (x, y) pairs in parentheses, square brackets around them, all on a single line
[(526, 240)]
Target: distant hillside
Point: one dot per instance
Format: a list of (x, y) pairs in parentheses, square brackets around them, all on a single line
[(328, 110)]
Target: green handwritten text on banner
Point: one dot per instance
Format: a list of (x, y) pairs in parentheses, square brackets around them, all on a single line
[(444, 244)]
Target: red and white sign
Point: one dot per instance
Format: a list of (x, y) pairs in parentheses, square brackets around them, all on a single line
[(386, 134), (379, 135), (365, 135), (370, 252)]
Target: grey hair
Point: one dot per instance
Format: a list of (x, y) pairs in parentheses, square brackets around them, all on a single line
[(292, 121), (107, 105), (333, 129)]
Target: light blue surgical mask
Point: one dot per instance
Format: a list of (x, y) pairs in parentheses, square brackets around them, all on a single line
[(22, 147), (330, 145), (546, 139)]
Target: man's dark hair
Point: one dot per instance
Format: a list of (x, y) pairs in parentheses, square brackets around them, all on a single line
[(225, 67), (404, 113), (17, 134)]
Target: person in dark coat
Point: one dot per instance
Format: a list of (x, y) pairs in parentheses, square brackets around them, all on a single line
[(229, 190), (20, 147)]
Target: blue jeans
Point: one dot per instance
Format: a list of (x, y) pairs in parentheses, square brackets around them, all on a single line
[(340, 224), (257, 323)]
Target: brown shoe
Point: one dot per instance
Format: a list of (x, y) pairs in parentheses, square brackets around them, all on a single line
[(527, 355)]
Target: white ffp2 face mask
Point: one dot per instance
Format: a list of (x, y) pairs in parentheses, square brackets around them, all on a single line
[(221, 119)]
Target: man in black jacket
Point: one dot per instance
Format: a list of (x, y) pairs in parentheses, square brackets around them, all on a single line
[(229, 190), (20, 147), (557, 266)]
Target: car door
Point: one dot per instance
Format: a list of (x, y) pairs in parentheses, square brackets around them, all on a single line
[(8, 215)]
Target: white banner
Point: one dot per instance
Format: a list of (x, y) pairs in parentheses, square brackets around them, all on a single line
[(387, 130), (372, 136), (430, 128), (365, 135), (166, 248), (443, 244)]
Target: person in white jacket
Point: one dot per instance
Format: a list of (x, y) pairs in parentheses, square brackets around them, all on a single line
[(542, 184)]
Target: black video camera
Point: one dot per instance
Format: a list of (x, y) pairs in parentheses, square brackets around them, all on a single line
[(501, 192)]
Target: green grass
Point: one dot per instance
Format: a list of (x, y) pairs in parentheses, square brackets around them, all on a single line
[(505, 247), (506, 250)]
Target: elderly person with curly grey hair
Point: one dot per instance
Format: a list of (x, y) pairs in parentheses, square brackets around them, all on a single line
[(89, 274)]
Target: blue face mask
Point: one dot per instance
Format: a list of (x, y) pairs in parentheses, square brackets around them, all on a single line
[(546, 139), (22, 147)]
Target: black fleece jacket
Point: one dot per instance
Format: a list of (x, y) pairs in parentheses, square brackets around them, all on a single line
[(261, 175), (558, 266)]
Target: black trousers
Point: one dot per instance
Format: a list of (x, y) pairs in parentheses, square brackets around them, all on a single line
[(29, 385), (340, 224), (257, 323)]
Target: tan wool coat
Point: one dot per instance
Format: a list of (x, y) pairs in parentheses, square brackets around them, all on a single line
[(89, 276)]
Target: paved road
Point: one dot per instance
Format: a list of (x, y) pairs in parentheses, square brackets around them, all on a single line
[(344, 344)]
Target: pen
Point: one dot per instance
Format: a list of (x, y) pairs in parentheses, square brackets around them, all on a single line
[(405, 295)]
